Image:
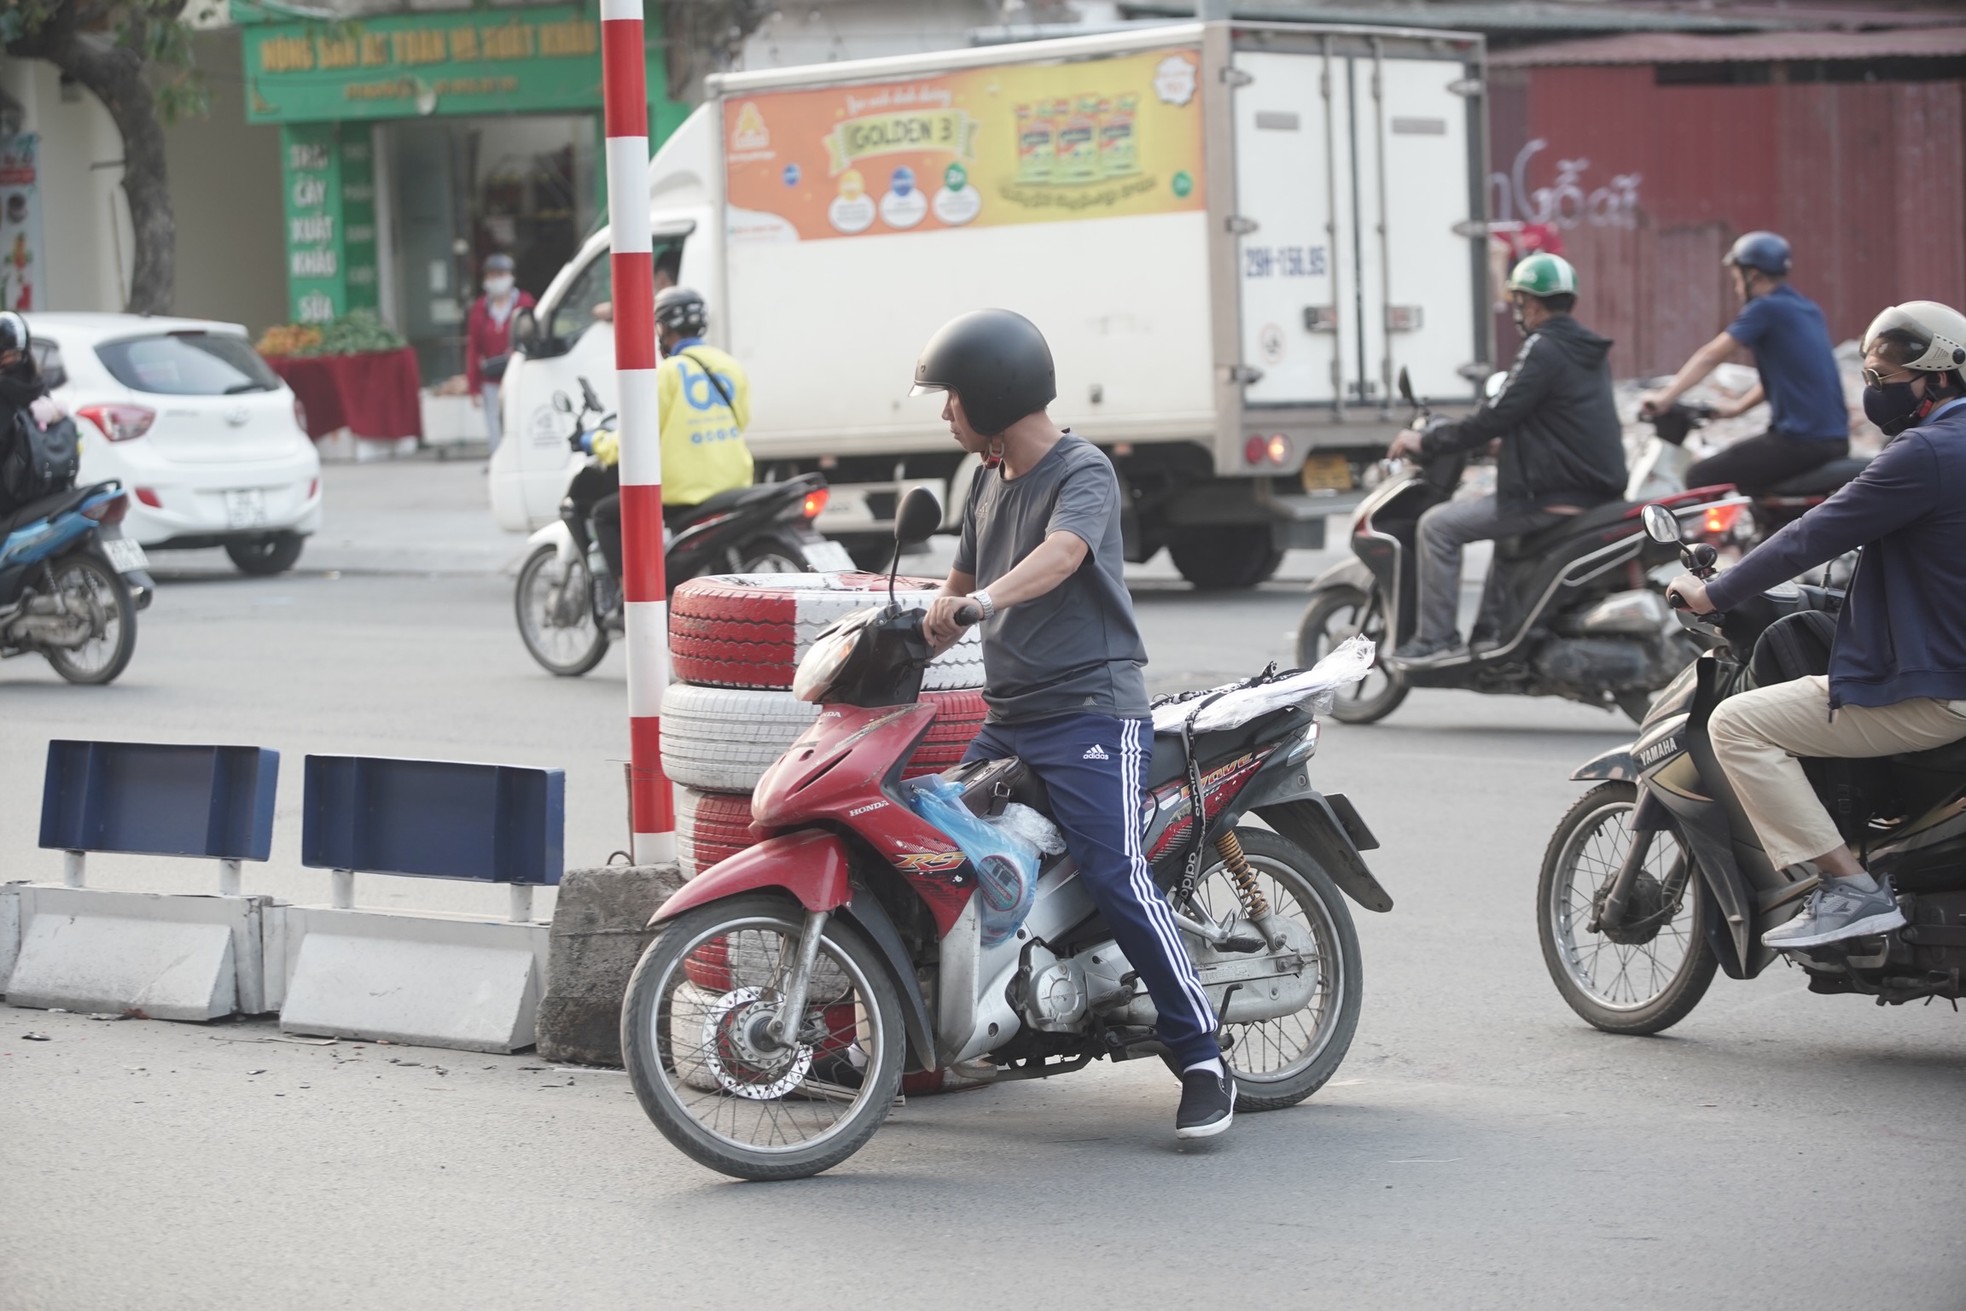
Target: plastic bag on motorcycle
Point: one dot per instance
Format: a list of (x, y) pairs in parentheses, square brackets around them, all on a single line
[(1005, 851)]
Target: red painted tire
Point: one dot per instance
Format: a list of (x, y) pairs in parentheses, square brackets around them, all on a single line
[(749, 630)]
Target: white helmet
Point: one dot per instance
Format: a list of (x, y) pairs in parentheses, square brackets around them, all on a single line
[(1934, 334)]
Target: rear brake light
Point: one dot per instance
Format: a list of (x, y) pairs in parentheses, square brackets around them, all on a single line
[(1721, 518), (300, 414), (1254, 450), (109, 511), (120, 423), (816, 502), (148, 495), (314, 489)]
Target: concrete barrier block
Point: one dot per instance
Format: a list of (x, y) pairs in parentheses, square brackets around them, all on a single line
[(431, 980), (599, 931), (9, 931), (170, 957)]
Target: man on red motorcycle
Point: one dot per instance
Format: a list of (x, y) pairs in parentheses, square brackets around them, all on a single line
[(1041, 560)]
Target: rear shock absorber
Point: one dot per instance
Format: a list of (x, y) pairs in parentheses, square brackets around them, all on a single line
[(1254, 905)]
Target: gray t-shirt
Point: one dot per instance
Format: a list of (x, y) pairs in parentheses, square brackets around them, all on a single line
[(1075, 650)]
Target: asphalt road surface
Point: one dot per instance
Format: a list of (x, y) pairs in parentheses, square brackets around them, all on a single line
[(1481, 1147)]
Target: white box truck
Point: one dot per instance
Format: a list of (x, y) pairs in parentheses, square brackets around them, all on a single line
[(1233, 235)]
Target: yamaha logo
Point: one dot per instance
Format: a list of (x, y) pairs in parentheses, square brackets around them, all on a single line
[(1664, 747)]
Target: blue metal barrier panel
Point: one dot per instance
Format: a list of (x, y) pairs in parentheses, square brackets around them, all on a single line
[(434, 819), (156, 799)]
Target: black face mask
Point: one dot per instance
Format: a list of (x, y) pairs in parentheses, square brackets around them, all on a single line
[(1893, 406)]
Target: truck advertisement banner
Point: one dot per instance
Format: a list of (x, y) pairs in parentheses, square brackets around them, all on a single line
[(1015, 143)]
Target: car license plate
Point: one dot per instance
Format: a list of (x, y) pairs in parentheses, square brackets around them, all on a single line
[(245, 509), (827, 558), (125, 556), (1327, 471)]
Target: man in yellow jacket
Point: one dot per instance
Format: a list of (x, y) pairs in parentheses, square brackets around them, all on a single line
[(705, 403)]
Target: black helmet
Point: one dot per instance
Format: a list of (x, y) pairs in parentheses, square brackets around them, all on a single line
[(13, 332), (681, 310), (996, 361)]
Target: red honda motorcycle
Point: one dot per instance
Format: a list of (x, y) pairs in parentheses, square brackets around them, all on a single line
[(768, 1025)]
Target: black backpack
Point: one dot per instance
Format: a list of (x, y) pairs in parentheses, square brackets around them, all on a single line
[(39, 461)]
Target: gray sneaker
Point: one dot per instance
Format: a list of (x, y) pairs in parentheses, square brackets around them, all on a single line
[(1838, 910)]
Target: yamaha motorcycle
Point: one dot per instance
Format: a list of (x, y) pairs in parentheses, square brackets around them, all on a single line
[(71, 584), (1655, 879), (1570, 610), (568, 601), (768, 1025)]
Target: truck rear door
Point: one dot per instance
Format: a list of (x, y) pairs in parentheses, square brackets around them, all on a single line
[(1353, 171)]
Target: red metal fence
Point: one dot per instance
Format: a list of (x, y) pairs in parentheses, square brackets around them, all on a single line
[(1649, 184)]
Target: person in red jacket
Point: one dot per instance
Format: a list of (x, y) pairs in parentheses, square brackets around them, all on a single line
[(488, 339)]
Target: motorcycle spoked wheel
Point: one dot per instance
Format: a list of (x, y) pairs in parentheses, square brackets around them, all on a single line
[(1652, 972), (1340, 612), (1280, 1062), (556, 615), (711, 1079), (95, 593)]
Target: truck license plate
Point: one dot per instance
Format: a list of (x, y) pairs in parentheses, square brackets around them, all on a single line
[(245, 509), (125, 556), (1327, 471), (827, 558)]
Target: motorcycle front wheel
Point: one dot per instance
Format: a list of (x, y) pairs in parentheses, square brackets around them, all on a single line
[(556, 615), (1648, 974), (697, 1036), (1340, 612), (95, 595)]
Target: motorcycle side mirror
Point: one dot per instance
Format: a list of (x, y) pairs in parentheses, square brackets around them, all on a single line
[(1406, 387), (561, 403), (525, 331), (918, 519), (587, 395), (1661, 525)]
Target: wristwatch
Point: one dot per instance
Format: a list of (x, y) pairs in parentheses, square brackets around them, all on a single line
[(984, 603)]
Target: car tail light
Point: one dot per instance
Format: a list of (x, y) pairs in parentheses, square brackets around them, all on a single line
[(1255, 449), (1720, 519), (300, 414), (109, 511), (148, 495), (313, 489), (1279, 448), (120, 423), (816, 502)]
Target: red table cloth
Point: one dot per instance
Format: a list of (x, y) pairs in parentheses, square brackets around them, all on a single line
[(374, 395)]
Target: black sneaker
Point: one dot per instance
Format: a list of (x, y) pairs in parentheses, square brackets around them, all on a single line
[(1208, 1104), (1430, 648)]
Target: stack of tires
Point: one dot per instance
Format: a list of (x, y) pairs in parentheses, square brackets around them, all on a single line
[(735, 641)]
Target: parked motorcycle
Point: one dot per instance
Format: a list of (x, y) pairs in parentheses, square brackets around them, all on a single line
[(1655, 878), (568, 602), (767, 1027), (71, 584), (1573, 608)]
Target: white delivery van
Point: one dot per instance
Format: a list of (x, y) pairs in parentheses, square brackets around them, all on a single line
[(1233, 235)]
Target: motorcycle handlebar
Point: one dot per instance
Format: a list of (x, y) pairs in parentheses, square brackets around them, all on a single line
[(968, 615)]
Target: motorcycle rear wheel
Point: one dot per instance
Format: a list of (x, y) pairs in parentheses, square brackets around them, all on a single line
[(539, 603), (689, 1025), (1343, 611), (1280, 1062), (1621, 987), (90, 587)]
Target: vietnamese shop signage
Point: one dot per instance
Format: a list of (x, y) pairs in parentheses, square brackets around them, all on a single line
[(329, 179), (23, 269), (499, 61)]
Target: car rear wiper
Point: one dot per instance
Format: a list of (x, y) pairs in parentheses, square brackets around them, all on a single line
[(238, 387)]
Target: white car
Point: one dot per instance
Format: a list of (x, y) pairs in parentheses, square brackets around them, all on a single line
[(199, 430)]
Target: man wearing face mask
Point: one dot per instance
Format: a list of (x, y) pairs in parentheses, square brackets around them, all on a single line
[(1563, 449), (488, 339), (1808, 425), (1897, 674)]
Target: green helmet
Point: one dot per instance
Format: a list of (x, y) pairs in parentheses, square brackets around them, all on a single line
[(1544, 275)]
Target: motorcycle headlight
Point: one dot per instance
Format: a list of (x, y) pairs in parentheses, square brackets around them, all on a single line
[(827, 656)]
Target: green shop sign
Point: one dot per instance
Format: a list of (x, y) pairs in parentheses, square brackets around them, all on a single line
[(499, 61), (329, 177)]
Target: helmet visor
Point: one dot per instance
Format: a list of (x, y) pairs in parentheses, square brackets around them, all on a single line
[(1916, 342), (927, 388)]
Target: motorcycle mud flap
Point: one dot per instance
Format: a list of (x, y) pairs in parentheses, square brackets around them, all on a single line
[(867, 913), (1312, 825)]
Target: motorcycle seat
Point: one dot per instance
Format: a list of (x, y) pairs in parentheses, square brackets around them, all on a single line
[(47, 507), (741, 496), (1170, 762), (1819, 481), (1530, 545), (1948, 759)]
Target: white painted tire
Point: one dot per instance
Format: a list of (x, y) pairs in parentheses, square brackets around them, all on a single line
[(751, 630), (722, 739)]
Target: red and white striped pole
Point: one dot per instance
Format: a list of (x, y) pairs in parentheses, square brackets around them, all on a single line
[(624, 83)]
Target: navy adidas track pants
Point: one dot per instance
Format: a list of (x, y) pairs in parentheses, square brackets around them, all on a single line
[(1095, 768)]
